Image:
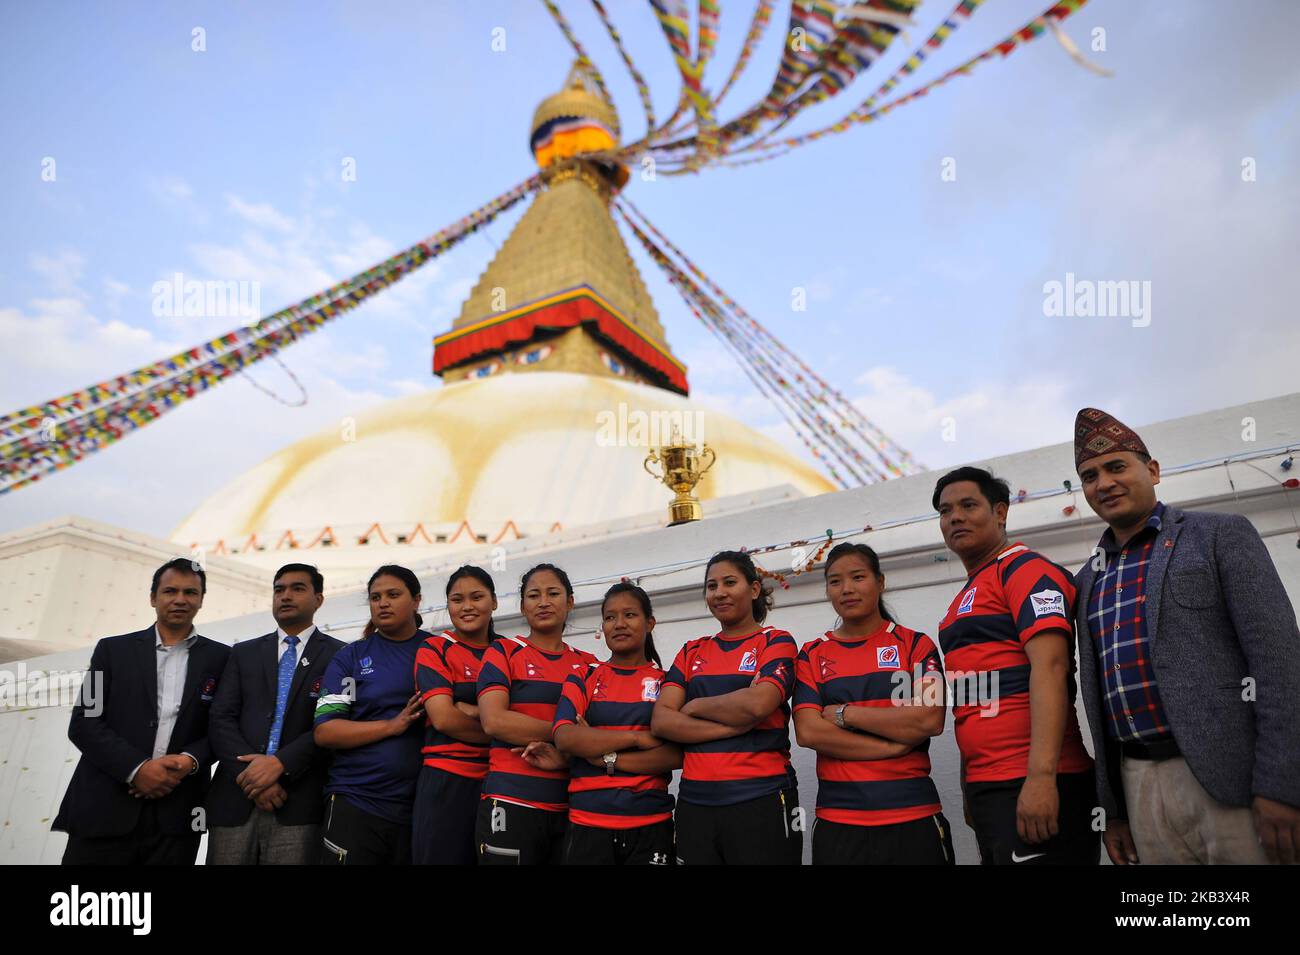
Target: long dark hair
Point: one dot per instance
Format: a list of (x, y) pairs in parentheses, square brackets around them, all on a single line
[(745, 564), (406, 576), (643, 598), (873, 561), (484, 578)]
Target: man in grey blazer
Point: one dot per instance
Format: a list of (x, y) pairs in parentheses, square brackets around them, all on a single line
[(1189, 665)]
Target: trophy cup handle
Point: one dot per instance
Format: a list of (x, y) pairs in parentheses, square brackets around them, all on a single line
[(708, 452), (646, 464)]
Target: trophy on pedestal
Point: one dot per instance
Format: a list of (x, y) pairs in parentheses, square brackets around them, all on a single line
[(683, 466)]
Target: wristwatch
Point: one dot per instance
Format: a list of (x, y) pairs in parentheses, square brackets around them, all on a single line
[(610, 760), (839, 716)]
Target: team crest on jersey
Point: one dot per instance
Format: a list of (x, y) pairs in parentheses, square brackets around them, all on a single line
[(828, 668), (530, 668), (967, 601), (469, 674), (697, 664), (650, 688), (367, 666), (748, 662), (598, 691), (1048, 602), (887, 658)]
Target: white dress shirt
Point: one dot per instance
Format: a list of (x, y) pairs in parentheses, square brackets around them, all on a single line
[(173, 664), (298, 648)]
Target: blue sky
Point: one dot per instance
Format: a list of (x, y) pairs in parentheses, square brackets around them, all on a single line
[(925, 296)]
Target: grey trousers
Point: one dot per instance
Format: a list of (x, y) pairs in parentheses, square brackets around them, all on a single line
[(262, 840), (1174, 821)]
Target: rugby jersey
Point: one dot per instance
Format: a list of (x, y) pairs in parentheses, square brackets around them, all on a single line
[(756, 763), (365, 681), (534, 679), (621, 698), (1011, 599), (445, 666), (873, 671)]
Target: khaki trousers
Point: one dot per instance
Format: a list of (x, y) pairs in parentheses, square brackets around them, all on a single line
[(1174, 821)]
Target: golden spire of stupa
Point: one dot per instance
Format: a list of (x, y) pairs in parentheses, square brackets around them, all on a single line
[(563, 294)]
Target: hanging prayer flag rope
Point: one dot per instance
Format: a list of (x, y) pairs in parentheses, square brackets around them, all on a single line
[(893, 458), (642, 87), (868, 112), (44, 438), (581, 54), (831, 426)]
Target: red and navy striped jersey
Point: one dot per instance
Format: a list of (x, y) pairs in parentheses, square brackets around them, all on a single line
[(1006, 603), (875, 671), (534, 679), (609, 697), (756, 763), (444, 666)]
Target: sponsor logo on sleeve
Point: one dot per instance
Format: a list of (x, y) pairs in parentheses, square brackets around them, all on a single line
[(1048, 603)]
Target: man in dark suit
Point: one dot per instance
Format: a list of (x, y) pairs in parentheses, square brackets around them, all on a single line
[(141, 724), (265, 806), (1189, 660)]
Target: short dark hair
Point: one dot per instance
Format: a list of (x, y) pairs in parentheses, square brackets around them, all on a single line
[(407, 577), (538, 568), (317, 581), (995, 490), (473, 573), (184, 565)]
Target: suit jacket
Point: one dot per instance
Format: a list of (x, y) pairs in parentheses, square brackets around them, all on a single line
[(241, 721), (98, 801), (1217, 614)]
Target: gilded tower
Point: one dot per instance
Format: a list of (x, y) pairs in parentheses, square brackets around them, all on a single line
[(563, 294)]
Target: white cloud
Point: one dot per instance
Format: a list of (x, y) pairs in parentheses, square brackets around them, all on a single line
[(261, 214), (171, 189), (61, 270), (984, 422)]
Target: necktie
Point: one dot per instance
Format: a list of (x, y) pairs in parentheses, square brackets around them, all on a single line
[(288, 660)]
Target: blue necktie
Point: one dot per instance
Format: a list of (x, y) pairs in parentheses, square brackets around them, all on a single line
[(288, 660)]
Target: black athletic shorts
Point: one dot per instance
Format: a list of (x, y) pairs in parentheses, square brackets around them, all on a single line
[(925, 841), (509, 834), (763, 831), (642, 845), (352, 836), (443, 818), (993, 808)]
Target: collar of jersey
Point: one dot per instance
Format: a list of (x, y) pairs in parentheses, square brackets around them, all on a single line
[(451, 636), (525, 642), (630, 670), (887, 628), (722, 639), (1015, 548)]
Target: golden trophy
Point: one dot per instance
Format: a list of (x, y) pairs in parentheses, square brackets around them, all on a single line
[(682, 470)]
